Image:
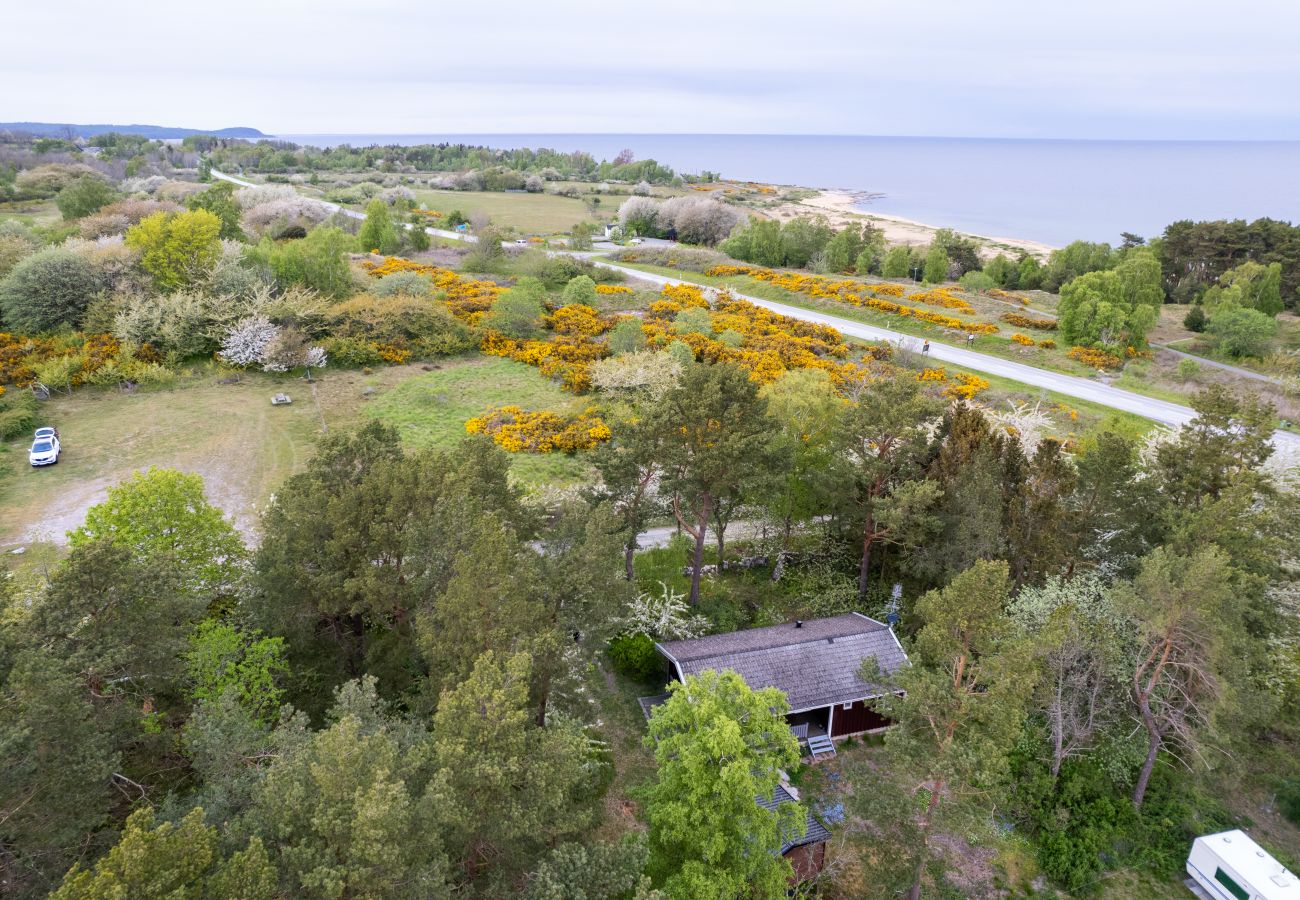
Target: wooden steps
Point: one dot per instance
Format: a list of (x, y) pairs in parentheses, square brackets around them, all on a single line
[(819, 745)]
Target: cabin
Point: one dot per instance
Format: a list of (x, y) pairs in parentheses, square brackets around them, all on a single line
[(815, 662), (806, 853)]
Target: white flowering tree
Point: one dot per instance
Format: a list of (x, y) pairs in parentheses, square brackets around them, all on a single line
[(665, 615), (646, 372), (246, 342)]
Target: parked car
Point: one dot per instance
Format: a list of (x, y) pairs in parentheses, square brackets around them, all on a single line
[(45, 449)]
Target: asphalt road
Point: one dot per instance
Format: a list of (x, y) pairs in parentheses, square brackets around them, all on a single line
[(1068, 385)]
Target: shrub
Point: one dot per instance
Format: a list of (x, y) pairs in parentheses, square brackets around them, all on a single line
[(315, 261), (1195, 319), (46, 290), (19, 412), (408, 284), (1288, 799), (179, 324), (84, 196), (1241, 331), (403, 322), (1188, 369), (13, 248), (580, 291), (518, 312), (635, 656), (627, 336), (976, 281), (352, 353)]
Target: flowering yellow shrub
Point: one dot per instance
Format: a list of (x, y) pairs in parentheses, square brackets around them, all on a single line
[(1095, 359), (1007, 295), (686, 295), (1023, 340), (577, 318), (392, 354), (516, 430), (965, 386), (1022, 321), (940, 297), (428, 213), (857, 294), (939, 374), (1047, 344), (613, 289)]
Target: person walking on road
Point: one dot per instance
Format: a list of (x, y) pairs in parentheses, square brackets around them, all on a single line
[(925, 349)]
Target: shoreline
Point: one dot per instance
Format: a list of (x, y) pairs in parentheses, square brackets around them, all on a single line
[(840, 207)]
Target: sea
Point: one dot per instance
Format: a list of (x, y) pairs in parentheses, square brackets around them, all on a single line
[(1051, 191)]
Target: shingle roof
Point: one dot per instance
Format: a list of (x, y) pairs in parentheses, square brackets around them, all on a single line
[(815, 665), (816, 830)]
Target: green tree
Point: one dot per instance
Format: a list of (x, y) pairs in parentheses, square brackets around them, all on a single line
[(806, 409), (86, 195), (1037, 516), (518, 312), (1189, 643), (505, 787), (180, 861), (718, 746), (717, 446), (1195, 320), (1113, 308), (378, 233), (898, 262), (1116, 511), (600, 871), (581, 290), (882, 445), (936, 265), (1239, 331), (1029, 276), (220, 201), (177, 249), (164, 513), (841, 251), (415, 236), (1227, 442), (958, 709), (57, 791), (350, 810), (627, 336), (222, 658), (1003, 271), (52, 287)]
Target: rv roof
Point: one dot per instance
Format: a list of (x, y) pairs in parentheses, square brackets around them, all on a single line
[(1266, 875)]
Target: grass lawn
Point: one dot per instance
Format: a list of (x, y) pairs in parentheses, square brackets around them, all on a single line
[(31, 212), (229, 433), (430, 410), (539, 214)]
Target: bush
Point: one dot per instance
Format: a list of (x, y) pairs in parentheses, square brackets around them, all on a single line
[(19, 412), (177, 249), (84, 196), (635, 656), (1288, 799), (581, 291), (46, 290), (976, 281), (1241, 331), (1195, 319), (402, 322), (408, 284), (1188, 369)]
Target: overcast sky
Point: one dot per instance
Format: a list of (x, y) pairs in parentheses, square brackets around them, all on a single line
[(1001, 68)]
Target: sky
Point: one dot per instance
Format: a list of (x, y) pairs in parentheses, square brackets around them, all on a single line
[(1140, 69)]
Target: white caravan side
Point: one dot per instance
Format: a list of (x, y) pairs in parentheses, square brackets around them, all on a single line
[(1230, 866)]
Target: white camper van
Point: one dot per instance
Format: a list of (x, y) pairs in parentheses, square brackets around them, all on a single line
[(1230, 866)]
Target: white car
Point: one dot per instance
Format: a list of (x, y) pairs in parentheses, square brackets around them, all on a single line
[(45, 449)]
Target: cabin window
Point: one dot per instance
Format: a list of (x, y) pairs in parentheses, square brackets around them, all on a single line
[(848, 705), (1227, 881)]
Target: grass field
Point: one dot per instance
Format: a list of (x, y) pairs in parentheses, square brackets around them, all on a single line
[(430, 410), (539, 214)]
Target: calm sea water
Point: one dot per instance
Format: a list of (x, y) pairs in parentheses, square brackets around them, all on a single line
[(1050, 191)]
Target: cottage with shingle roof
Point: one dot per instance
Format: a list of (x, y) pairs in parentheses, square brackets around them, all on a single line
[(816, 663)]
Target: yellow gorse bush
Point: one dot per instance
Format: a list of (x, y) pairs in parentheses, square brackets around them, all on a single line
[(517, 430)]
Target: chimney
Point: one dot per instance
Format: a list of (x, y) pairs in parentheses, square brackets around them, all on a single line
[(798, 623)]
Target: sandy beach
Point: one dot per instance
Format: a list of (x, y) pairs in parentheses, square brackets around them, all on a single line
[(839, 208)]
